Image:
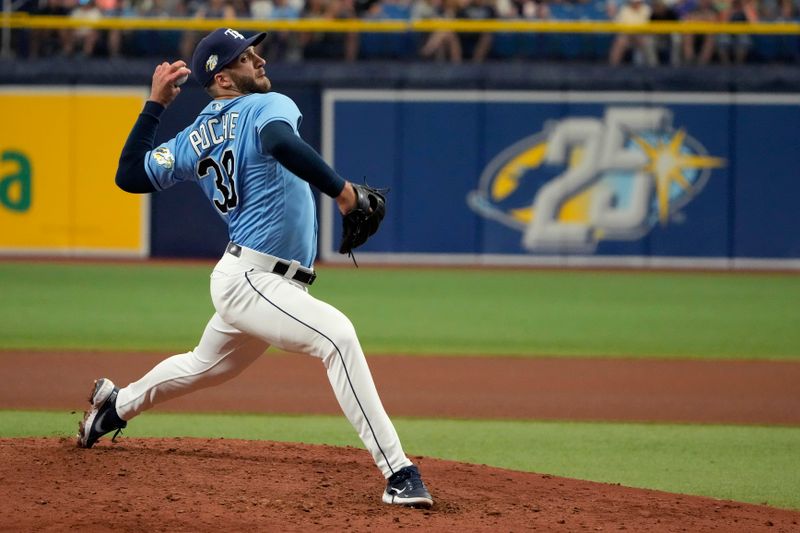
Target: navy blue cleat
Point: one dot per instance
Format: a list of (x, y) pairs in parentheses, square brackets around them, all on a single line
[(102, 418), (405, 487)]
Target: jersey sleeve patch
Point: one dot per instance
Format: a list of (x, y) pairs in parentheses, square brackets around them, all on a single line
[(161, 164), (163, 157)]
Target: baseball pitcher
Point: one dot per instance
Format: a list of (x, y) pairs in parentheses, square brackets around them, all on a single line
[(245, 152)]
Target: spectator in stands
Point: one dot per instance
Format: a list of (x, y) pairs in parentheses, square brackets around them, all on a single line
[(49, 42), (789, 45), (477, 45), (367, 8), (83, 38), (386, 45), (21, 38), (214, 9), (788, 11), (523, 9), (347, 10), (701, 11), (153, 43), (633, 12), (769, 10), (439, 45), (735, 47), (112, 38), (318, 45), (281, 45), (668, 46), (314, 44), (521, 45), (260, 9), (241, 8)]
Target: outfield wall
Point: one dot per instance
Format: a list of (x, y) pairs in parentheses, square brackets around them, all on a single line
[(58, 152), (573, 177), (514, 164)]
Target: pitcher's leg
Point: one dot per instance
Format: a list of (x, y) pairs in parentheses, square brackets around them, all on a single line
[(351, 379), (222, 353), (286, 316)]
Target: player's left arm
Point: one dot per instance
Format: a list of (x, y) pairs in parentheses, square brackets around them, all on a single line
[(131, 174), (279, 140)]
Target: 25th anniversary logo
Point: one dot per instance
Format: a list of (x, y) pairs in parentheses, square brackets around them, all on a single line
[(585, 179)]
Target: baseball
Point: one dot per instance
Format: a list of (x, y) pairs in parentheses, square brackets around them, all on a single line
[(180, 81)]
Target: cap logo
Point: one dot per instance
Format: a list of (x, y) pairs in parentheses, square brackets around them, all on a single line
[(233, 33), (211, 63)]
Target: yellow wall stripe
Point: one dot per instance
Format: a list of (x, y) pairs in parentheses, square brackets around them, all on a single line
[(400, 26)]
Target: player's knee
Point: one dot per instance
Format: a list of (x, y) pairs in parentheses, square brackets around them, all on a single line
[(207, 364), (342, 333)]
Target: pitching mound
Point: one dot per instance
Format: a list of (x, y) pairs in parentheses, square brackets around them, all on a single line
[(230, 485)]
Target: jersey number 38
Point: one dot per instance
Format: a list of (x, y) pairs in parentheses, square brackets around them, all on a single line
[(224, 179)]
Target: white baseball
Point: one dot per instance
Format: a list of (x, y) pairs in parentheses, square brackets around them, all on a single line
[(180, 81)]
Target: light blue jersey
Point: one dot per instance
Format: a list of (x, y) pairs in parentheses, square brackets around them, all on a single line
[(267, 208)]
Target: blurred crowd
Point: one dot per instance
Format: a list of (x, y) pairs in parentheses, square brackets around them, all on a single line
[(444, 46)]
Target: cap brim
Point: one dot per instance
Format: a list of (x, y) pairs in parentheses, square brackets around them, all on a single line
[(255, 40), (252, 41)]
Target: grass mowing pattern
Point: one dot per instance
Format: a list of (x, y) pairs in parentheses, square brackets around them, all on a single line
[(746, 463), (630, 314)]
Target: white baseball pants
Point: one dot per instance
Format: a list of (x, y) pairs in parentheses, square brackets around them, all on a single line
[(257, 309)]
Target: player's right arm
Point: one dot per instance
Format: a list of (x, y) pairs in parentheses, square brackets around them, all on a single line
[(131, 174)]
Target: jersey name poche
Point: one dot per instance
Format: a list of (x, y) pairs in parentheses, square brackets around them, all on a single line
[(266, 207)]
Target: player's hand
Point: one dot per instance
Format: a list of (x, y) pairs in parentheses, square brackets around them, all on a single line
[(363, 221), (346, 201), (166, 79)]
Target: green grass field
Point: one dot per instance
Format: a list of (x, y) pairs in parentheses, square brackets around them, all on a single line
[(481, 312), (484, 312), (745, 463)]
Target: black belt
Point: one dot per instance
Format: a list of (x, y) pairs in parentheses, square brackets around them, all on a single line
[(280, 266)]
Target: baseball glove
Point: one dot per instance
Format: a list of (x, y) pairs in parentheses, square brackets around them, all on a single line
[(363, 221)]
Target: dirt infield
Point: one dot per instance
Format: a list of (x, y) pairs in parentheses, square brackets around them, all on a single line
[(207, 485), (226, 485), (472, 387)]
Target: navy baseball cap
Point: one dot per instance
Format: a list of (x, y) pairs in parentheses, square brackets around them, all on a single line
[(218, 49)]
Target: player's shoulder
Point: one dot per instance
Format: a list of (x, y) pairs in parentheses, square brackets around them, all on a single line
[(267, 99)]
